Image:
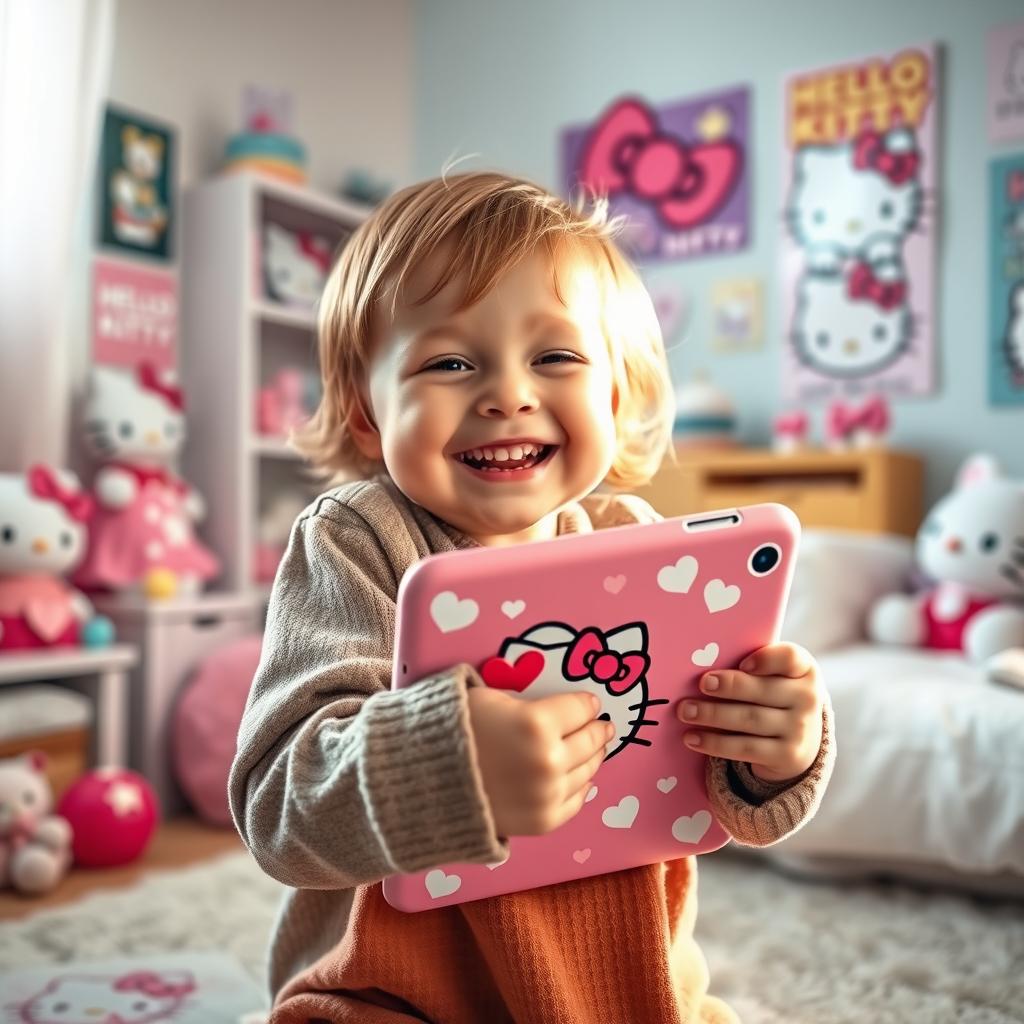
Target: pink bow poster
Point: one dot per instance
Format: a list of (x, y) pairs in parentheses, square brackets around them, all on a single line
[(677, 172), (858, 253)]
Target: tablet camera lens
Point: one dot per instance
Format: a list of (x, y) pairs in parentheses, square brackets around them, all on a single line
[(765, 560)]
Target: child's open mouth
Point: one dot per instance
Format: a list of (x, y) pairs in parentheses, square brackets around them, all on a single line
[(516, 463)]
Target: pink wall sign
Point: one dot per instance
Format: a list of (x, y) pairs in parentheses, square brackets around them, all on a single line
[(134, 315)]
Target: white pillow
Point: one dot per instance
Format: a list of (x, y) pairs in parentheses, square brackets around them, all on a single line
[(839, 575)]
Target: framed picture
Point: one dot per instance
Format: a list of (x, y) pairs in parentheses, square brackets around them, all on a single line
[(137, 163)]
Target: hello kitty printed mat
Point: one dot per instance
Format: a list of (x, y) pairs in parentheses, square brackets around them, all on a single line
[(206, 987), (633, 614)]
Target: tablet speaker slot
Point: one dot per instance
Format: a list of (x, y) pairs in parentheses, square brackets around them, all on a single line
[(717, 522)]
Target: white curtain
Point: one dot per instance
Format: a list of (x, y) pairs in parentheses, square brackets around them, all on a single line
[(55, 58)]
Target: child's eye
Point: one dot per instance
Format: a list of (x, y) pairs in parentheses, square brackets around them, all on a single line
[(446, 364), (560, 357)]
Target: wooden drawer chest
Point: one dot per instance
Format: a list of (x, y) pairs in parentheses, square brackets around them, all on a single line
[(874, 490)]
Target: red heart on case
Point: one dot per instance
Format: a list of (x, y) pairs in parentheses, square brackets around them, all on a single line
[(500, 675)]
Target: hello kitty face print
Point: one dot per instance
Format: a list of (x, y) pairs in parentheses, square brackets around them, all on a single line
[(851, 324), (134, 416), (142, 997), (552, 657), (974, 536), (858, 252)]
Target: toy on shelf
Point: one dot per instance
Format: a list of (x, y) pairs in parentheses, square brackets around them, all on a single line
[(284, 403), (113, 814), (141, 535), (275, 525), (43, 522), (971, 547), (295, 265), (362, 187), (789, 432), (266, 146), (705, 417), (861, 426), (35, 845)]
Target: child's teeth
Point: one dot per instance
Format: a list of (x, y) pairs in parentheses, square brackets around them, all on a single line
[(516, 452), (478, 453), (501, 454)]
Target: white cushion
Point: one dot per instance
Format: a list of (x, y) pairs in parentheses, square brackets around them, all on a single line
[(930, 764), (27, 711)]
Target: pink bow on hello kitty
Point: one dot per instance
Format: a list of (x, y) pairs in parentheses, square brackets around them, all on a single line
[(589, 657), (44, 484), (862, 284), (792, 424), (153, 985), (870, 153), (872, 416)]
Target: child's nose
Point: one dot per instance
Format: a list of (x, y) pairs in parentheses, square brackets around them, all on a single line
[(508, 397)]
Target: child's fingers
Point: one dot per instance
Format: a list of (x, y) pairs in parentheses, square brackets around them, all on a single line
[(753, 719), (568, 712), (581, 746), (579, 778), (778, 660), (733, 747), (732, 685)]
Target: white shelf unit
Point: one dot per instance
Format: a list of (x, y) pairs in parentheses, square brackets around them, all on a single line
[(234, 339)]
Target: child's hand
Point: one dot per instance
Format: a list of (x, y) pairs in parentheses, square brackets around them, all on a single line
[(536, 757), (767, 713)]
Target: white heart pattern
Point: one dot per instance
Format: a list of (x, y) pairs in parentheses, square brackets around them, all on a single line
[(613, 584), (591, 793), (497, 863), (513, 609), (667, 785), (705, 656), (718, 597), (450, 614), (691, 828), (581, 856), (678, 578), (623, 814), (439, 884)]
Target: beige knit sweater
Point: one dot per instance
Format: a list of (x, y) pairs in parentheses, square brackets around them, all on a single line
[(339, 781)]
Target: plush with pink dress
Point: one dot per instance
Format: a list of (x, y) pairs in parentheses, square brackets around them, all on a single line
[(141, 537)]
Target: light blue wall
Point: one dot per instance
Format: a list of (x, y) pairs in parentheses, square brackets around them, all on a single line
[(503, 79)]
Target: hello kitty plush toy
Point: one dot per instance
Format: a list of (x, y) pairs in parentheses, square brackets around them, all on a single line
[(972, 546), (35, 845), (43, 521), (295, 265), (141, 537)]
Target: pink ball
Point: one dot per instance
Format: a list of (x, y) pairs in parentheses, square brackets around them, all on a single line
[(113, 814), (205, 727)]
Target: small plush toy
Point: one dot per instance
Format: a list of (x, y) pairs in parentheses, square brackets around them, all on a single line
[(295, 265), (35, 845), (972, 547), (43, 518), (141, 536), (789, 432), (863, 426)]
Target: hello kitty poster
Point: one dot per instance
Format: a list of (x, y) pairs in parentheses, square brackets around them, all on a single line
[(858, 253), (1006, 287)]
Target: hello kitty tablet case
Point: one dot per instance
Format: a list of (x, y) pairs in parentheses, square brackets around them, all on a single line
[(635, 614)]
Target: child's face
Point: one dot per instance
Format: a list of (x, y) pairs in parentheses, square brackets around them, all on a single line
[(519, 367)]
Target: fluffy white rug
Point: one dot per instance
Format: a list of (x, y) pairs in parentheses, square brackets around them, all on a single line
[(780, 951)]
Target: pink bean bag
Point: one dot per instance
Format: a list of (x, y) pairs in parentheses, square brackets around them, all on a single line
[(205, 726)]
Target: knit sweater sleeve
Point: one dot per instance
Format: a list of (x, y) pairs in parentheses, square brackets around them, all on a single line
[(337, 780), (753, 812)]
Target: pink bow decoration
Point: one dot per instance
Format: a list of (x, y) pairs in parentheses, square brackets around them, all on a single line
[(317, 250), (870, 153), (791, 424), (589, 657), (862, 284), (43, 483), (153, 985), (627, 152), (150, 380), (872, 416)]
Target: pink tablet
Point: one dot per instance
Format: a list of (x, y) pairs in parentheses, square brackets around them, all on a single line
[(634, 614)]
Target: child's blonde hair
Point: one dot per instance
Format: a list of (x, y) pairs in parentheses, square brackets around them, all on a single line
[(493, 222)]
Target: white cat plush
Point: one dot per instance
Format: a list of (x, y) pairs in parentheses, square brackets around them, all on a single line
[(295, 265), (43, 521), (141, 537), (972, 547), (851, 323), (1014, 340)]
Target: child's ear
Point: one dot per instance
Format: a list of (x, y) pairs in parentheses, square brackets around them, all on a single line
[(364, 430)]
